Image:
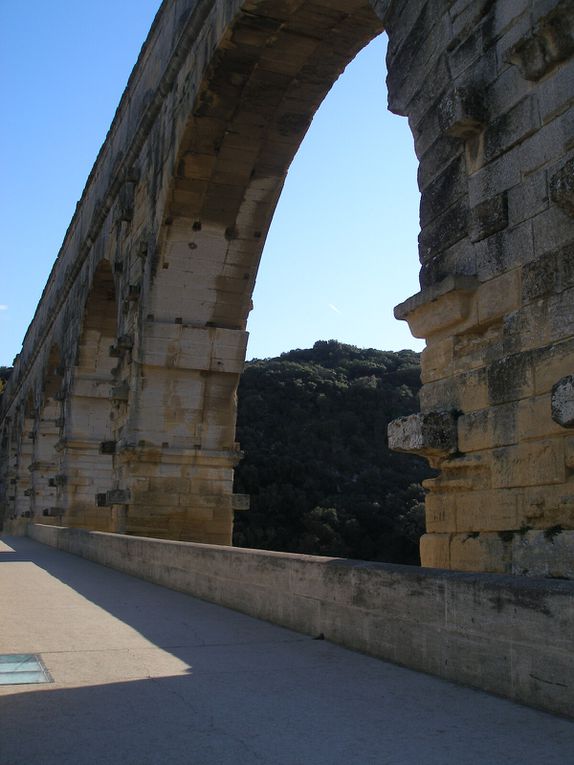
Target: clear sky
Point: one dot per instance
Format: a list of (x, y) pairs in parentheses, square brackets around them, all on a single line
[(342, 250)]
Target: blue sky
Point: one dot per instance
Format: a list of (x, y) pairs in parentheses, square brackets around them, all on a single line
[(342, 250)]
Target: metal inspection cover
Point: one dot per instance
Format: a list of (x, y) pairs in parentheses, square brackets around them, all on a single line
[(18, 668)]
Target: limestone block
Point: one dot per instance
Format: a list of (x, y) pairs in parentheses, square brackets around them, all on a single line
[(562, 188), (446, 188), (168, 485), (548, 506), (440, 513), (477, 348), (487, 428), (562, 402), (472, 391), (529, 464), (504, 250), (488, 217), (511, 127), (489, 510), (200, 348), (547, 44), (528, 198), (436, 360), (551, 364), (548, 553), (511, 378), (439, 307), (498, 296), (435, 550), (485, 552), (536, 419), (561, 316), (431, 434), (91, 388)]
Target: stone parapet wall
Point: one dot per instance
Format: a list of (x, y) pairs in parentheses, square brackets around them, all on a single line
[(506, 635)]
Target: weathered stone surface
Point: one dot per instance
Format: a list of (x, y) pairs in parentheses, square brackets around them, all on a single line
[(462, 113), (547, 44), (562, 188), (488, 217), (563, 402), (430, 434)]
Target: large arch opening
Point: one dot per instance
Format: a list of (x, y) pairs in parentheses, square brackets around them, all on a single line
[(341, 252), (267, 80), (89, 444)]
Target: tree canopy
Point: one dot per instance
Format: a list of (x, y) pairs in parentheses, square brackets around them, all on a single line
[(313, 426)]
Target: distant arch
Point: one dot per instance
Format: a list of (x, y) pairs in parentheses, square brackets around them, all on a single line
[(46, 462), (88, 427)]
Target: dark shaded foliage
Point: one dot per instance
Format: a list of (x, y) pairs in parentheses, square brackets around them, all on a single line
[(313, 425), (5, 373)]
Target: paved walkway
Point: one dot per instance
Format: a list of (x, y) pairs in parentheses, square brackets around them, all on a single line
[(147, 676)]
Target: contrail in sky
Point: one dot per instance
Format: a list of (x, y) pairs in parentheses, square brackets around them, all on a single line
[(334, 308)]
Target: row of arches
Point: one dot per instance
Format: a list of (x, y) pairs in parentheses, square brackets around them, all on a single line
[(59, 441)]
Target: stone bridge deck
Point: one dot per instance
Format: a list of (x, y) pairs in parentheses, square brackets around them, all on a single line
[(144, 675)]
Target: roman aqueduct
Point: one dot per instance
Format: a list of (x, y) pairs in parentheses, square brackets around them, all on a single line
[(120, 413)]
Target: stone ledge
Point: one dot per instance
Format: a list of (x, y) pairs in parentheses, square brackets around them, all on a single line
[(429, 434), (478, 622)]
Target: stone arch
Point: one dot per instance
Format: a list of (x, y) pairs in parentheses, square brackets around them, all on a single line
[(88, 444), (268, 76), (190, 173)]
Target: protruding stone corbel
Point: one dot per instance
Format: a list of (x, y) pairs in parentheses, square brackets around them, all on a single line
[(462, 113), (430, 434), (550, 42), (562, 402), (439, 306)]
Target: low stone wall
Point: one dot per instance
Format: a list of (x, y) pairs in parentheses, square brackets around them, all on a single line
[(508, 635)]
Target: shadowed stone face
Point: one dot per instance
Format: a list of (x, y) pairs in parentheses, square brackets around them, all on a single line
[(149, 298)]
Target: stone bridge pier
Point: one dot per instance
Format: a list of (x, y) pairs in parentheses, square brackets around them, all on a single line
[(120, 412)]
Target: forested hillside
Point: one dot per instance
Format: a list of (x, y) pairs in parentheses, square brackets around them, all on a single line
[(312, 424)]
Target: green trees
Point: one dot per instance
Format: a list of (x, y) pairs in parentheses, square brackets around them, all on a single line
[(312, 424)]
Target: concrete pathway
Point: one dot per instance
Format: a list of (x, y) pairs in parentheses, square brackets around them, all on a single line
[(147, 676)]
